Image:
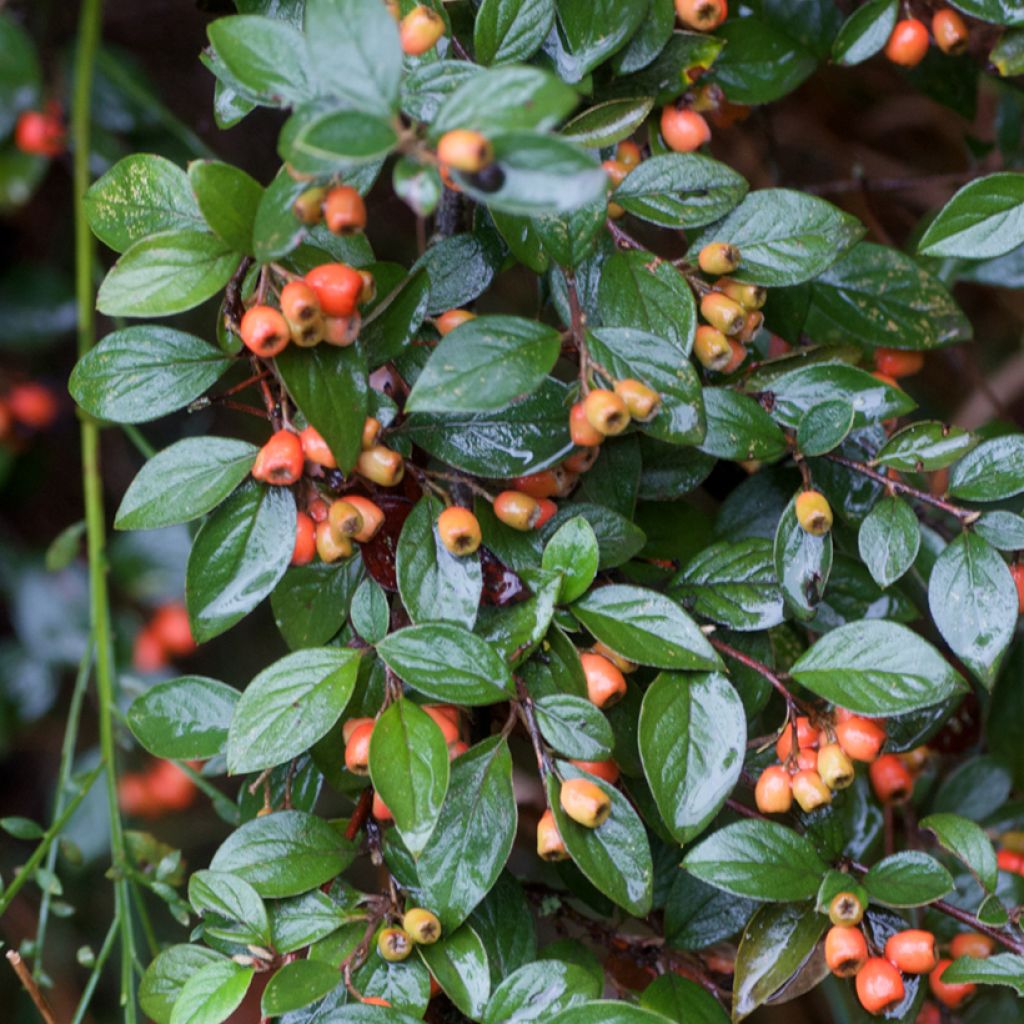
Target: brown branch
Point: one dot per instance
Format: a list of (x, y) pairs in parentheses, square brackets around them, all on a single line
[(30, 986), (233, 307), (525, 704), (360, 814), (757, 666), (578, 329)]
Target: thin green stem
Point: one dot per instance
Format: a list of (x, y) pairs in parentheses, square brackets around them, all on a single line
[(89, 24), (94, 977), (137, 438), (67, 754), (222, 805), (29, 867), (143, 914)]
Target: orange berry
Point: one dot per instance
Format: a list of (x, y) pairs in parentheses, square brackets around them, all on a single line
[(622, 664), (357, 749), (1008, 860), (628, 153), (342, 331), (712, 348), (908, 43), (846, 951), (329, 546), (683, 130), (809, 791), (544, 484), (442, 717), (950, 31), (891, 779), (879, 985), (305, 540), (606, 412), (464, 150), (457, 749), (585, 802), (381, 465), (930, 1014), (32, 405), (773, 793), (737, 354), (606, 685), (379, 809), (280, 460), (420, 30), (371, 433), (373, 517), (148, 653), (373, 1001), (1017, 572), (846, 910), (607, 770), (337, 286), (317, 510), (169, 787), (861, 738), (895, 364), (807, 760), (549, 840), (749, 296), (702, 15), (448, 321), (813, 513), (806, 736), (344, 211), (581, 431), (299, 303), (548, 509), (913, 951), (722, 312), (133, 794), (344, 519), (459, 530), (616, 171), (265, 331), (39, 134), (718, 258), (835, 767), (641, 401), (752, 323), (316, 449), (171, 627), (517, 510), (350, 725), (972, 944), (949, 994), (584, 459)]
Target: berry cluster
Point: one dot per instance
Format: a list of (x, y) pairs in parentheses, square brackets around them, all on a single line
[(908, 43)]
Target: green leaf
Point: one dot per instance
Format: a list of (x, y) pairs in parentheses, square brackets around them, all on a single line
[(370, 611), (646, 627), (569, 239), (629, 353), (537, 991), (573, 552), (760, 859), (329, 386), (297, 984), (618, 539), (396, 320), (508, 30), (183, 719), (683, 1001), (460, 268), (265, 56), (784, 237), (967, 841), (505, 99), (409, 769), (285, 853), (992, 471), (1007, 56), (732, 583), (739, 428), (606, 1012), (971, 595), (21, 76), (434, 584), (908, 879), (166, 976), (165, 273), (212, 993), (776, 944), (593, 30), (447, 663), (984, 219), (355, 51), (865, 32), (663, 77), (574, 727), (615, 857), (141, 195), (760, 63), (697, 915), (504, 922), (889, 540), (237, 909), (228, 199), (289, 706), (680, 190), (637, 291), (998, 12), (144, 372), (184, 481), (311, 602), (803, 563), (459, 963), (21, 828), (302, 920), (606, 123), (239, 554), (1000, 969), (925, 446), (692, 734), (318, 141), (877, 668), (824, 426), (485, 364), (876, 295), (474, 833), (1003, 530), (430, 84)]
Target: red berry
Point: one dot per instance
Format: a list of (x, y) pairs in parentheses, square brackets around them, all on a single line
[(280, 460), (265, 331), (305, 540), (337, 286), (171, 627), (39, 134), (908, 43), (32, 405)]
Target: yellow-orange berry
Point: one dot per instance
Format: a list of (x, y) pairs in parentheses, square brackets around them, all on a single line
[(582, 432), (809, 791), (371, 432), (711, 347), (606, 685), (420, 30), (465, 150), (702, 15), (628, 153), (773, 793), (683, 130), (329, 546), (459, 530), (422, 926), (381, 465), (517, 510), (835, 767), (345, 520), (718, 258), (316, 449), (720, 311), (452, 318), (344, 211), (750, 296), (813, 513), (373, 517), (606, 412), (950, 31), (308, 206), (585, 802), (342, 331), (641, 401), (264, 331), (549, 841), (394, 944)]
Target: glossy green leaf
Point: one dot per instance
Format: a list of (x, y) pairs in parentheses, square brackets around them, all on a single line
[(908, 879), (865, 31), (606, 1012), (967, 841), (302, 920), (739, 428), (760, 63), (228, 199), (508, 30), (925, 446), (537, 991), (318, 141), (697, 915), (238, 913), (569, 238), (166, 975), (683, 1001), (692, 733), (889, 539), (661, 77), (1003, 530), (992, 471), (370, 611), (311, 602), (212, 993), (459, 963), (297, 984), (606, 123), (267, 57), (574, 727), (594, 29), (183, 719), (618, 539), (803, 563), (824, 426), (1000, 969), (396, 320), (983, 220), (573, 552), (459, 268), (289, 706)]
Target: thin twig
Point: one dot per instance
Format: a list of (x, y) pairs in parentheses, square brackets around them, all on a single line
[(525, 704), (757, 666), (30, 986), (234, 310)]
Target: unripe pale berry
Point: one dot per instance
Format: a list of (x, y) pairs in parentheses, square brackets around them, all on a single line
[(606, 685), (344, 211), (316, 449), (720, 311), (972, 944), (861, 738), (459, 530), (448, 321), (344, 519), (835, 767), (846, 951), (711, 347), (394, 944), (373, 517), (891, 779), (369, 290), (879, 985), (750, 296), (683, 130), (809, 791), (908, 43), (305, 540), (913, 951), (628, 153), (718, 258), (308, 207), (517, 510), (606, 412), (846, 910), (806, 736), (264, 331), (342, 331), (420, 30), (337, 287), (371, 433), (896, 364), (916, 758), (702, 15), (641, 401), (581, 431), (280, 460), (549, 840), (422, 926), (329, 546), (585, 802), (773, 793), (950, 31), (464, 150), (357, 749), (607, 770), (381, 465), (950, 994), (813, 513)]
